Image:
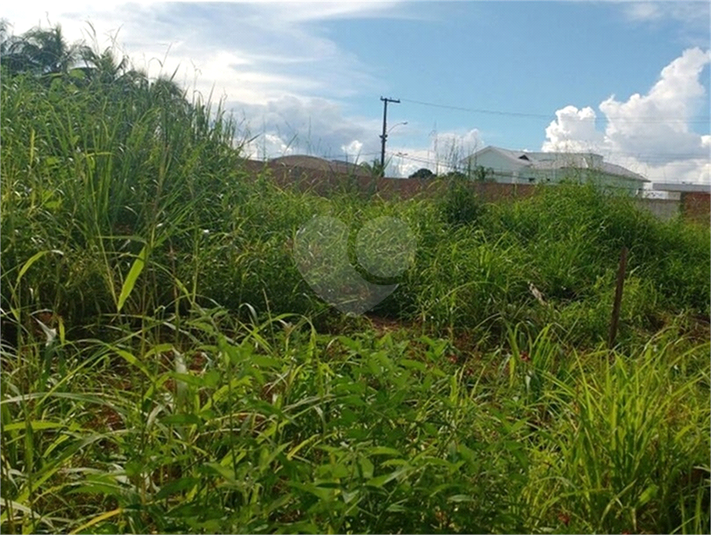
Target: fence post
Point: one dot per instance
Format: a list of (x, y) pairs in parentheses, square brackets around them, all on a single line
[(618, 298)]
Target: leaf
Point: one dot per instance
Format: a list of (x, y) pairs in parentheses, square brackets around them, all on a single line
[(131, 359), (460, 498), (182, 419), (265, 362), (366, 467), (36, 425), (349, 496), (106, 489), (77, 73), (414, 364), (98, 519), (132, 277), (320, 491), (296, 449), (379, 481), (187, 378), (648, 493), (349, 342), (184, 483), (62, 332), (383, 450), (27, 265), (212, 378), (223, 471)]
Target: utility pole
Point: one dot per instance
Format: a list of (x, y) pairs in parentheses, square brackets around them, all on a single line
[(384, 135)]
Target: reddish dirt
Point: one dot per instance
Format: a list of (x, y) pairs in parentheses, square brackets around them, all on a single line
[(385, 325)]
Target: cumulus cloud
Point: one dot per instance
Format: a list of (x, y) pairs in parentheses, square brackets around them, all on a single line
[(253, 52), (573, 130), (650, 133), (444, 153), (658, 122), (690, 17), (315, 126), (319, 127), (271, 64)]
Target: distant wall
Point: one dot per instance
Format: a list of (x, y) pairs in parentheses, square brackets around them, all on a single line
[(694, 206), (406, 188), (664, 209), (325, 183)]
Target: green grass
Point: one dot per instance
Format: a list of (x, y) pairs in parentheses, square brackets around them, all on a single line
[(193, 382)]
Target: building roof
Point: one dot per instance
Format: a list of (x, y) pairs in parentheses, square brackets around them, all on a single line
[(563, 160), (682, 187), (303, 161)]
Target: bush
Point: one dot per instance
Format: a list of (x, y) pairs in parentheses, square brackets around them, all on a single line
[(460, 205)]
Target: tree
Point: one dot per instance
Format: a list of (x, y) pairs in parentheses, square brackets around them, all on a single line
[(422, 173), (455, 175), (5, 37), (166, 89), (103, 66), (39, 51), (12, 59)]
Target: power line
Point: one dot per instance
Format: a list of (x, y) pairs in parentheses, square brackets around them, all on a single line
[(691, 120), (478, 110), (425, 161), (656, 120)]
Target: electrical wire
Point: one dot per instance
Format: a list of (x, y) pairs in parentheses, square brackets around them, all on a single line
[(477, 110), (652, 120)]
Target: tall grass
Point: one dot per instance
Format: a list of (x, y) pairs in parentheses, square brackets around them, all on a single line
[(95, 184), (274, 427), (165, 367), (628, 435)]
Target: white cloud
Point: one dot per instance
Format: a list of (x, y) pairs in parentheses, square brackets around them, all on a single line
[(648, 133), (251, 52), (354, 148), (689, 18), (445, 153), (687, 12), (311, 126), (573, 130), (643, 11), (267, 146), (658, 122), (311, 11), (270, 63)]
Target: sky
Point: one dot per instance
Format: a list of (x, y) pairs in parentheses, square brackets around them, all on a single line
[(625, 79)]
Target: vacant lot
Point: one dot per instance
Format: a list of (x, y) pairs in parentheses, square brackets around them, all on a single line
[(166, 368)]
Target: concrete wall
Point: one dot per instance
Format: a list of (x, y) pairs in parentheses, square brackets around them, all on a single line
[(694, 206), (664, 209), (323, 182)]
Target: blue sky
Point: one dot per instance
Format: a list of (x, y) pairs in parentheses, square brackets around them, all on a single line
[(626, 79)]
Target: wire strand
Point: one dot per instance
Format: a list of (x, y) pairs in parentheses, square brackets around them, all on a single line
[(652, 120)]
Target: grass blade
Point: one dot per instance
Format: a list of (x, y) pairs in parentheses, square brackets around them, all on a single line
[(132, 277)]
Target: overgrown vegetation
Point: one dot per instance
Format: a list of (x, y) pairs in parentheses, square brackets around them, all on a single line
[(165, 368)]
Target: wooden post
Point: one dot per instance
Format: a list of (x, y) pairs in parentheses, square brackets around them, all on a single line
[(618, 298)]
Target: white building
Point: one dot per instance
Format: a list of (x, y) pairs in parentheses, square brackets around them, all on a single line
[(519, 167)]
